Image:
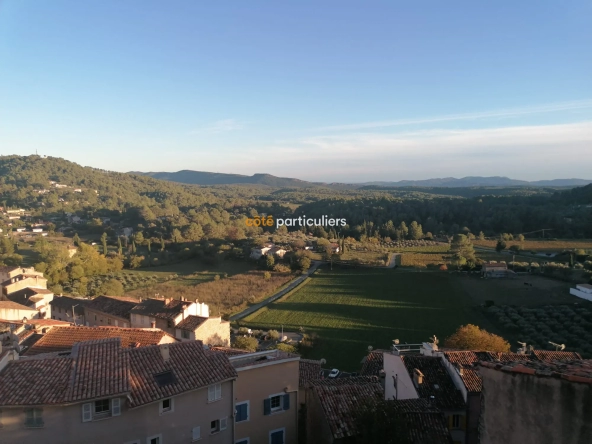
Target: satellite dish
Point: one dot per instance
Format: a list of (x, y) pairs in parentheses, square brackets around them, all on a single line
[(323, 361), (25, 320), (370, 348), (523, 344), (396, 341), (562, 347)]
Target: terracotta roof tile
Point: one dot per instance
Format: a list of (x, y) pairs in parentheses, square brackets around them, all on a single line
[(102, 368), (114, 306), (578, 370), (14, 306), (340, 397), (543, 355), (190, 365), (64, 338), (66, 303), (309, 370), (373, 363), (424, 422), (191, 322)]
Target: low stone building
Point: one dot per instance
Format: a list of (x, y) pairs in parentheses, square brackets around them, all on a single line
[(210, 330)]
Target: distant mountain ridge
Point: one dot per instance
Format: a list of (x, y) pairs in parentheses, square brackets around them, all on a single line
[(206, 178)]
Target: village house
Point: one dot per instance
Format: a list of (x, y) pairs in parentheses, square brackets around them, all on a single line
[(496, 270), (35, 298), (154, 395), (536, 402), (331, 404), (12, 311), (23, 281), (62, 306), (63, 338), (109, 310), (266, 397), (165, 313), (583, 291), (257, 252), (210, 330)]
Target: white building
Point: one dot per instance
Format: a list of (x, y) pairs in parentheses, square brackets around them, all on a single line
[(583, 291)]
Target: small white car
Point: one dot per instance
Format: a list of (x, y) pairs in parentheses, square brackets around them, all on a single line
[(334, 373)]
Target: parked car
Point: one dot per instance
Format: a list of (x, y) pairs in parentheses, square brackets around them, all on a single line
[(334, 373)]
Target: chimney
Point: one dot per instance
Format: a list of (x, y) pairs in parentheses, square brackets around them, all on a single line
[(417, 377), (152, 324), (461, 371), (167, 300), (164, 351)]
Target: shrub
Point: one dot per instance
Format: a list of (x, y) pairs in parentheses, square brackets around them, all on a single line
[(273, 335), (246, 343)]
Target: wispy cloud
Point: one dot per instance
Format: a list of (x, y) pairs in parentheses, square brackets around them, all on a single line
[(535, 152), (220, 126), (503, 113)]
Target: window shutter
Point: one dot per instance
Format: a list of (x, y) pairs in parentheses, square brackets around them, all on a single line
[(196, 433), (267, 406), (450, 422), (223, 423), (116, 407), (86, 412), (218, 391), (211, 392), (287, 401), (463, 422)]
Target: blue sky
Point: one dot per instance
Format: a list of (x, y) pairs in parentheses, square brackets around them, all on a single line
[(328, 91)]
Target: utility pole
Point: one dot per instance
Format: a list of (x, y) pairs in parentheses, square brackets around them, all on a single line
[(73, 313)]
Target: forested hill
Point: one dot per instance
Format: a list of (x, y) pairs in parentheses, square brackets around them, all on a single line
[(205, 178)]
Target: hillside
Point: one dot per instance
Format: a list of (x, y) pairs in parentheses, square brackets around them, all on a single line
[(478, 181), (205, 178)]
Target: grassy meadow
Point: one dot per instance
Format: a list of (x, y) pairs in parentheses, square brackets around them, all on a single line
[(352, 309)]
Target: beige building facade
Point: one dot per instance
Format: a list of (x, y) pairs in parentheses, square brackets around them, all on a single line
[(266, 398)]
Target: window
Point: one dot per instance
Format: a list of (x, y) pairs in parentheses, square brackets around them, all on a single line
[(166, 405), (95, 317), (185, 334), (214, 392), (33, 418), (156, 439), (218, 425), (116, 323), (276, 403), (277, 436), (103, 408), (109, 321), (455, 421), (242, 412), (196, 433)]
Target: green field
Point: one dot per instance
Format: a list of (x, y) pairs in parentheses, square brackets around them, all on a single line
[(352, 309)]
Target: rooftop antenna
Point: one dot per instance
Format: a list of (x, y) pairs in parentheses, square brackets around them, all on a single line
[(558, 347)]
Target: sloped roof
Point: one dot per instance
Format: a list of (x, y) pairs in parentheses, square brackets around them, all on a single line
[(191, 322), (424, 422), (64, 338), (67, 302), (190, 365), (340, 397), (102, 368), (373, 363), (93, 370), (28, 295), (309, 370), (10, 305), (578, 370), (544, 355), (160, 308), (114, 306), (436, 381)]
